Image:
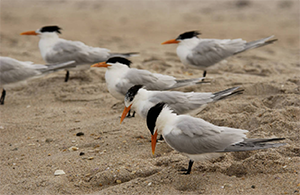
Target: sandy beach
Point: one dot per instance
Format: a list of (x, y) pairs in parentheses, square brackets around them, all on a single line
[(39, 121)]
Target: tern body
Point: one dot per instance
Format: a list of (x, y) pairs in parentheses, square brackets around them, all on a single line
[(57, 50), (194, 137), (120, 78), (203, 53), (141, 100), (13, 71)]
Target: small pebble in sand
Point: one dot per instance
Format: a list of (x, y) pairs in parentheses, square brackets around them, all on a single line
[(253, 186), (79, 134), (48, 140), (59, 172), (73, 148), (81, 153), (90, 158), (119, 181)]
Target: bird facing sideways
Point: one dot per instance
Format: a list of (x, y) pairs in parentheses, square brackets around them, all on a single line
[(141, 100), (201, 53), (13, 71), (120, 78), (195, 138), (57, 50)]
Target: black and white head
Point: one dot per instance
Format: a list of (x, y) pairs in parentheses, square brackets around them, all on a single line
[(131, 93), (50, 29), (44, 30), (118, 60), (188, 35), (114, 62), (129, 100), (183, 37), (152, 116)]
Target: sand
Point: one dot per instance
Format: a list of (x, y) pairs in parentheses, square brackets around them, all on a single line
[(40, 120)]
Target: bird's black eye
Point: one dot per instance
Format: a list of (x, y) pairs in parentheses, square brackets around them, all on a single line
[(188, 35)]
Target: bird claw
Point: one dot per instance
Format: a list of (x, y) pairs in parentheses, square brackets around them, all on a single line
[(185, 171)]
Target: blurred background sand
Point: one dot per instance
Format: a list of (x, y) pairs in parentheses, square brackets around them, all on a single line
[(39, 121)]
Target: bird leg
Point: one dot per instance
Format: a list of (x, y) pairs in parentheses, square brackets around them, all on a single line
[(161, 138), (67, 76), (204, 73), (2, 97), (188, 171), (130, 116)]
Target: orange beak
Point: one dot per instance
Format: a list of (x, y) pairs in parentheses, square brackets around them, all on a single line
[(100, 64), (170, 42), (29, 33), (125, 111), (153, 141)]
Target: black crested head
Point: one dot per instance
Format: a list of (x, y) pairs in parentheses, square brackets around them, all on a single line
[(152, 116), (51, 29), (188, 35), (132, 92), (120, 60)]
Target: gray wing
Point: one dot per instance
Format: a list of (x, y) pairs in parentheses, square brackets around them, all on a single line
[(143, 77), (12, 71), (181, 102), (211, 51), (196, 136), (66, 50)]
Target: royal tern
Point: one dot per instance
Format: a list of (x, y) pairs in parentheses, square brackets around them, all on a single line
[(120, 78), (141, 100), (57, 50), (195, 137), (203, 53), (13, 71)]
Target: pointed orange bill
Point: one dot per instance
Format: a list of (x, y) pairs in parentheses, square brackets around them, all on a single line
[(153, 141), (29, 33), (170, 42), (100, 64), (125, 111)]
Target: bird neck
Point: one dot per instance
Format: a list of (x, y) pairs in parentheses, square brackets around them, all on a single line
[(140, 102), (46, 43), (165, 118)]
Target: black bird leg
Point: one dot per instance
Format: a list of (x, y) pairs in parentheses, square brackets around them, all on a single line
[(67, 76), (204, 73), (2, 97), (129, 116), (161, 138), (188, 171)]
